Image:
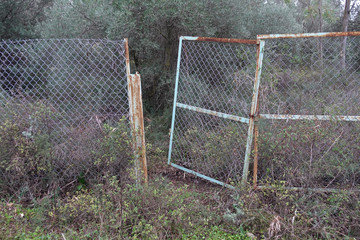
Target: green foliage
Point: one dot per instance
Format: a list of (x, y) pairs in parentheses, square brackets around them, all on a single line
[(218, 148), (76, 19), (153, 28), (216, 233), (310, 154), (113, 208), (37, 157), (18, 222), (18, 18), (287, 214), (308, 15)]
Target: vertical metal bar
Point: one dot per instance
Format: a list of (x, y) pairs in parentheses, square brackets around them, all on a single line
[(259, 55), (256, 141), (127, 56), (136, 120), (256, 153), (175, 98), (130, 97), (137, 123)]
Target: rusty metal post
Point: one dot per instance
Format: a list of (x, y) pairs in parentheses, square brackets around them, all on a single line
[(136, 120), (256, 153), (137, 126), (254, 109), (256, 141)]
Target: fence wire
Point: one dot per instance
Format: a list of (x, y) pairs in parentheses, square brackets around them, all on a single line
[(309, 112), (308, 115), (307, 76), (215, 88), (63, 106)]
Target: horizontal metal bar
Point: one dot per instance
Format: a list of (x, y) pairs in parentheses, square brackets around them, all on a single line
[(310, 117), (214, 113), (308, 35), (202, 176), (309, 189), (223, 40)]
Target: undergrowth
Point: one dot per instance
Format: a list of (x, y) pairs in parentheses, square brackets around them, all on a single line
[(115, 210), (99, 199)]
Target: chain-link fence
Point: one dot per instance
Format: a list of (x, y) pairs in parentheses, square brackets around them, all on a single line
[(212, 104), (309, 120), (64, 113), (299, 96)]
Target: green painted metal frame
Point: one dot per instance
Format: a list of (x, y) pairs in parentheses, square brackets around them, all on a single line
[(250, 121), (310, 117), (175, 98), (214, 113), (302, 117), (254, 114)]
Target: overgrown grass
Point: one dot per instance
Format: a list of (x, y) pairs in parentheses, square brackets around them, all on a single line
[(280, 213), (39, 156), (113, 210), (109, 205), (162, 210)]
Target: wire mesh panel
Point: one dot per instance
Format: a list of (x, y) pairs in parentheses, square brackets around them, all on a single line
[(215, 82), (63, 101), (79, 78), (309, 111)]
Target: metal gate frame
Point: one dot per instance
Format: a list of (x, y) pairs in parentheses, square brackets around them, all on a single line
[(255, 115), (258, 115), (250, 120)]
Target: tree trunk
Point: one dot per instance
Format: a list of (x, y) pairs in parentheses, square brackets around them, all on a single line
[(345, 22)]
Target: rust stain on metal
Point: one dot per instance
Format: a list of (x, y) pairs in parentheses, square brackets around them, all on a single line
[(309, 35), (141, 129), (127, 56), (256, 141), (137, 123), (136, 118), (254, 109), (256, 154), (227, 40)]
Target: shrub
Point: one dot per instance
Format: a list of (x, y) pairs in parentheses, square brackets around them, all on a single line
[(39, 153), (280, 213)]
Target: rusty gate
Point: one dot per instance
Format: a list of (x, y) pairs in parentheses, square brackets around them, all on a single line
[(297, 94), (308, 117), (213, 95)]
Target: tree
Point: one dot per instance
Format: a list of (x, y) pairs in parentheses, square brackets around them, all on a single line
[(18, 17), (318, 15), (76, 19), (154, 28)]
